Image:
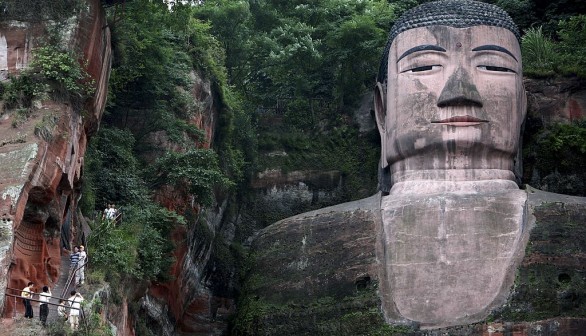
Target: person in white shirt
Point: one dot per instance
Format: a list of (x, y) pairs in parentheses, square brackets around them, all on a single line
[(44, 297), (75, 301), (110, 213), (80, 275)]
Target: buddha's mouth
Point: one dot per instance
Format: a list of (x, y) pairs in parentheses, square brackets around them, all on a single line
[(460, 121)]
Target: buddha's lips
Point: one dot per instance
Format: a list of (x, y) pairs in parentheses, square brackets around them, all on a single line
[(460, 121)]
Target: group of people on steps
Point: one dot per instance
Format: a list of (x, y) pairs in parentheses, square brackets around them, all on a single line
[(78, 260), (67, 310)]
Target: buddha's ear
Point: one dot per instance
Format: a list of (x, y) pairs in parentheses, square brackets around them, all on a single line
[(380, 113), (524, 101)]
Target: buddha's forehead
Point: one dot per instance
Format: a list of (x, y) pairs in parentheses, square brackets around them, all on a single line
[(451, 38)]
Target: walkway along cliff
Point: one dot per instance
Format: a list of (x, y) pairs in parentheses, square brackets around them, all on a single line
[(42, 147)]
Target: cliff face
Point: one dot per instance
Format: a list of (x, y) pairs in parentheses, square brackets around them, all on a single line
[(39, 187), (551, 100), (42, 155), (190, 303), (553, 137)]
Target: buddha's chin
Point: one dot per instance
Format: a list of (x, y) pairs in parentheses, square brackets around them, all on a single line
[(459, 159)]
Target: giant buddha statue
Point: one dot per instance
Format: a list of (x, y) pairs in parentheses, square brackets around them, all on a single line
[(452, 242)]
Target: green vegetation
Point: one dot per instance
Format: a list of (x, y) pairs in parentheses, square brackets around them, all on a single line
[(301, 71), (153, 156), (39, 10), (55, 73), (553, 152), (544, 57), (62, 69), (538, 53), (543, 288), (196, 170), (140, 246), (283, 77)]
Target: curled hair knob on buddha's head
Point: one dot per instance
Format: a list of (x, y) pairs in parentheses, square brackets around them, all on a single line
[(452, 13)]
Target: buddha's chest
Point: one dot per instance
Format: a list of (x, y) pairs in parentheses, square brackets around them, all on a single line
[(448, 257)]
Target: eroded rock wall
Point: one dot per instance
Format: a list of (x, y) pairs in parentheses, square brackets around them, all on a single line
[(42, 157), (556, 99), (552, 137), (189, 303)]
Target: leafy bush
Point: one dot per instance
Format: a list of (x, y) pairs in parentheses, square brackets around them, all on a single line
[(561, 146), (38, 10), (544, 57), (52, 70), (196, 170), (539, 55), (22, 90), (139, 247), (112, 249), (555, 154), (572, 33), (61, 68)]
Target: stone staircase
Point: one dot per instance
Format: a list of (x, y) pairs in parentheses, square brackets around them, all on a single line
[(60, 289)]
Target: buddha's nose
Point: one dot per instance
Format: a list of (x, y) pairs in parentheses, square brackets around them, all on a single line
[(459, 91)]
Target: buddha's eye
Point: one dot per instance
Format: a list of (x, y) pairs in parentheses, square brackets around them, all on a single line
[(423, 68), (495, 68)]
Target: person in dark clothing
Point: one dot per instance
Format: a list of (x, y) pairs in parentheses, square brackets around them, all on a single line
[(44, 307), (74, 257)]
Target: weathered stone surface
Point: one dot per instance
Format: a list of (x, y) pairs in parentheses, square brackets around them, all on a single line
[(191, 302), (317, 274), (556, 99), (40, 175), (314, 273), (453, 116), (449, 255), (277, 194)]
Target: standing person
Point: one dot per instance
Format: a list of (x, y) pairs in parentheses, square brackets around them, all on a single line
[(62, 311), (109, 213), (75, 301), (80, 275), (44, 307), (27, 294), (73, 261), (74, 258)]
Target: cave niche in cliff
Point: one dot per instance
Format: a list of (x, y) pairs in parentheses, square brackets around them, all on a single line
[(35, 214), (39, 195)]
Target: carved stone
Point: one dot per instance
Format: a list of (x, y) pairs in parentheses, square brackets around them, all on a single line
[(440, 248)]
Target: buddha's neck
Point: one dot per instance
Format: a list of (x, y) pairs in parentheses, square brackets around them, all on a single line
[(452, 180)]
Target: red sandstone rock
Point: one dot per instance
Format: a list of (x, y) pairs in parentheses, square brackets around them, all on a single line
[(39, 177)]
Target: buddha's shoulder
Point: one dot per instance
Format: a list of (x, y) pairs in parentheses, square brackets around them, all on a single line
[(357, 216), (370, 204), (536, 197)]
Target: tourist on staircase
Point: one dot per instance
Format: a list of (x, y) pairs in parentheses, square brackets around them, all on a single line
[(27, 294), (74, 258), (75, 301), (62, 311), (44, 297), (80, 275), (73, 263), (110, 213)]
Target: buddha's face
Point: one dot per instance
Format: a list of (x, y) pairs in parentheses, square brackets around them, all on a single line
[(454, 99)]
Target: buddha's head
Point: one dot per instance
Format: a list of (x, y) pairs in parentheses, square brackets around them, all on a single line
[(449, 93)]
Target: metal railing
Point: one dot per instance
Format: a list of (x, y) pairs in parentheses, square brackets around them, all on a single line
[(82, 311), (71, 276)]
